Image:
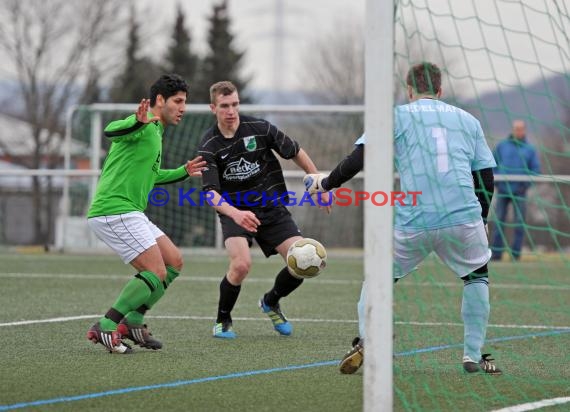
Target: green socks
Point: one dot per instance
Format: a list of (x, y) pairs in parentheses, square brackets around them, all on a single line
[(136, 292), (136, 317), (171, 274)]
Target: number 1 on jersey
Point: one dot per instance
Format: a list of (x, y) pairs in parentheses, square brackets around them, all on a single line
[(440, 136)]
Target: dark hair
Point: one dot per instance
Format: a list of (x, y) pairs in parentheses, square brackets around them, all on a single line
[(167, 85), (425, 78), (225, 88)]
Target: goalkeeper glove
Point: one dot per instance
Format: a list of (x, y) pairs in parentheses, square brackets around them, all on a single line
[(313, 183)]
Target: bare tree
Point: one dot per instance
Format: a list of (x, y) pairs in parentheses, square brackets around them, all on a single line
[(334, 65), (52, 47)]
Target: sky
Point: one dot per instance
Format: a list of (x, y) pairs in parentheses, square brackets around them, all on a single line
[(482, 45), (262, 27), (495, 43)]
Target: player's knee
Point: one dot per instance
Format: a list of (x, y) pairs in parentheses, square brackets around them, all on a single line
[(177, 262), (482, 270), (480, 273), (242, 268), (239, 268), (159, 271)]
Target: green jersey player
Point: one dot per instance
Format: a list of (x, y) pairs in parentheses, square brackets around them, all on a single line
[(116, 215)]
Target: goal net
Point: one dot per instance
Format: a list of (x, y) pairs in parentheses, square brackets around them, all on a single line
[(505, 62)]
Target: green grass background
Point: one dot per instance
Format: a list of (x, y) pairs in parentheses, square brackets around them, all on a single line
[(54, 360)]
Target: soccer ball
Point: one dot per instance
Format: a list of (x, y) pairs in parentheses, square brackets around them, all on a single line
[(306, 258)]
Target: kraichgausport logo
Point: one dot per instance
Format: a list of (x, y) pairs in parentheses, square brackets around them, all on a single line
[(340, 197), (241, 170)]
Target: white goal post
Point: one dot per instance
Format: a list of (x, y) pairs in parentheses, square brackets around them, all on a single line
[(378, 256)]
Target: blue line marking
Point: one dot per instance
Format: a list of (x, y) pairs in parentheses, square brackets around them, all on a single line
[(162, 385), (494, 340), (253, 373)]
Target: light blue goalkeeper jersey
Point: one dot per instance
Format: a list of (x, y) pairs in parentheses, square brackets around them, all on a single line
[(437, 146)]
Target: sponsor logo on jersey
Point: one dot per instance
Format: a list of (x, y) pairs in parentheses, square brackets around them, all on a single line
[(250, 143), (241, 170)]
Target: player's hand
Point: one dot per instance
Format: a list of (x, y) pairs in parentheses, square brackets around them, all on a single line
[(325, 198), (195, 166), (312, 183), (142, 112), (246, 219)]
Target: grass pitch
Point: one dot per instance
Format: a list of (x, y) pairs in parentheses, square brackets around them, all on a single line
[(49, 302)]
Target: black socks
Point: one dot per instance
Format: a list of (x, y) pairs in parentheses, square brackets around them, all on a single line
[(228, 297), (285, 283)]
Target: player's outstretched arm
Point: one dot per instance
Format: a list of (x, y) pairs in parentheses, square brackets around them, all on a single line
[(192, 168), (195, 166), (314, 183), (343, 172), (303, 160)]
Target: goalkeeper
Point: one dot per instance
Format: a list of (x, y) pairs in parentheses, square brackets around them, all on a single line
[(117, 217), (440, 151)]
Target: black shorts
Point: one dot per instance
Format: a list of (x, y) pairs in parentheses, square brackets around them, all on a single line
[(277, 226)]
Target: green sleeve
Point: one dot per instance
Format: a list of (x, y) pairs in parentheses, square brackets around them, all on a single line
[(129, 127), (166, 176)]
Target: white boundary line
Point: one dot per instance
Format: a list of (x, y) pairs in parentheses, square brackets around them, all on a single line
[(492, 285), (188, 278), (50, 320), (492, 325), (323, 281), (535, 405), (252, 319)]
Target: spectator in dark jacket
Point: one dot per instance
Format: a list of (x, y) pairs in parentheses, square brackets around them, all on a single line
[(514, 156)]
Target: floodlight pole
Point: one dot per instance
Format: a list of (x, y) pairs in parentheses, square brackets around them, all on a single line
[(378, 226)]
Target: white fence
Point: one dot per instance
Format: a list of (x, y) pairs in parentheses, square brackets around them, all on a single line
[(67, 219)]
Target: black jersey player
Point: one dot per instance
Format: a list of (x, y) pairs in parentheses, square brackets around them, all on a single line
[(247, 188)]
